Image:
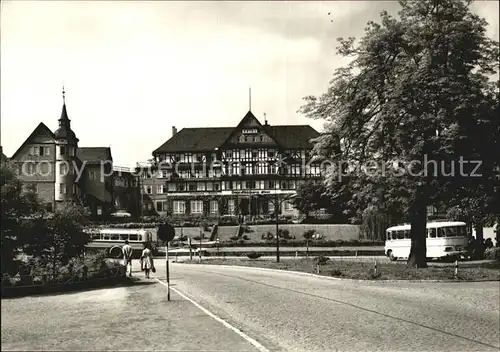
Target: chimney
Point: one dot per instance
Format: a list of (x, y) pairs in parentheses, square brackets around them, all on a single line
[(174, 131)]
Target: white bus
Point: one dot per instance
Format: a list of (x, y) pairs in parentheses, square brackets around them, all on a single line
[(113, 238), (444, 239)]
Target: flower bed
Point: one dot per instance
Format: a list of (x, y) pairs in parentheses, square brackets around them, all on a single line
[(91, 271)]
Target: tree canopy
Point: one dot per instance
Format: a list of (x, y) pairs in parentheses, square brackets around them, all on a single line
[(416, 102)]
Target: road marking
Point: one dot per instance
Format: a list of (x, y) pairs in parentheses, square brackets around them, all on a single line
[(353, 306), (225, 323)]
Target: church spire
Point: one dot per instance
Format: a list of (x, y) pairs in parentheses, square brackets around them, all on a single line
[(64, 120)]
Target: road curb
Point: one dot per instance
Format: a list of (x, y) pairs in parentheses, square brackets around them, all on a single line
[(301, 273)]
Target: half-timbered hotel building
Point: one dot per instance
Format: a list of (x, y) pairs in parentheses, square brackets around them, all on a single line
[(218, 171)]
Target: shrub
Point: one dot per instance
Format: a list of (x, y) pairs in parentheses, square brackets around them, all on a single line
[(245, 237), (253, 255), (241, 241), (234, 238), (336, 272), (321, 260), (39, 272), (492, 253), (308, 234)]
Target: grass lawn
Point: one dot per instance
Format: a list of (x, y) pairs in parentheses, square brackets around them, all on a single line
[(365, 270)]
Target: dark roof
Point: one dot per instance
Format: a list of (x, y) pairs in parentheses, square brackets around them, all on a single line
[(94, 154), (293, 136), (195, 139), (205, 139), (41, 128), (64, 130)]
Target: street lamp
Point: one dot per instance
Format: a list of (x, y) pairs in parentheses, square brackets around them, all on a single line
[(277, 205)]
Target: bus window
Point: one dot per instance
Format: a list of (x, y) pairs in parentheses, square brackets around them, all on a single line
[(451, 232), (462, 231), (96, 236), (407, 234), (388, 236), (133, 237), (431, 233), (401, 235), (394, 235), (440, 232), (105, 236), (123, 237), (150, 236), (115, 237)]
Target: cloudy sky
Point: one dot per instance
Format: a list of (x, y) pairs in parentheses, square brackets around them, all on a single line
[(132, 70)]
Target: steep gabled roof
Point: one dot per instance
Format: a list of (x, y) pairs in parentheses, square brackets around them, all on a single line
[(94, 154), (207, 139), (195, 139), (40, 129), (293, 136)]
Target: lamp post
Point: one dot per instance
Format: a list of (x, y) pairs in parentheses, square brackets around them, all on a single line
[(277, 206)]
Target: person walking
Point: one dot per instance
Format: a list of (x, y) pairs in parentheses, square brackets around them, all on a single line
[(127, 258), (147, 263)]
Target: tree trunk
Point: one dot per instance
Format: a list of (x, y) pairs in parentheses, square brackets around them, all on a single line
[(478, 226), (418, 233)]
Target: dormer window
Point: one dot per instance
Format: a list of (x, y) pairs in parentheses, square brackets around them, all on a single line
[(250, 131)]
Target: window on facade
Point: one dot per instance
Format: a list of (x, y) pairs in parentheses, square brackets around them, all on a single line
[(92, 175), (248, 169), (214, 206), (200, 186), (231, 207), (62, 150), (29, 169), (271, 206), (63, 169), (248, 154), (179, 207), (148, 189), (188, 158), (192, 187), (160, 189), (235, 169), (196, 207), (216, 186), (272, 184), (161, 206), (181, 187), (62, 188), (271, 153), (172, 187)]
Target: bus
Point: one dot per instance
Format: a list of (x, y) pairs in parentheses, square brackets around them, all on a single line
[(112, 239), (446, 239)]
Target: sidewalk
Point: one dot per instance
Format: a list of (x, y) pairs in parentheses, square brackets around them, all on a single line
[(133, 317)]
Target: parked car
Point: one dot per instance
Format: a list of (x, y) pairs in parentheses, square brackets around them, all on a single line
[(121, 214)]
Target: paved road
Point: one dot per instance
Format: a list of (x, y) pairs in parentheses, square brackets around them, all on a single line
[(133, 318), (284, 311), (280, 311)]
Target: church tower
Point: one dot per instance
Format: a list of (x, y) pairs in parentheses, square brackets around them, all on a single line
[(66, 145)]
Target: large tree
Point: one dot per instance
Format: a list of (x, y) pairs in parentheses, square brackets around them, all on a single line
[(416, 98), (19, 208)]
